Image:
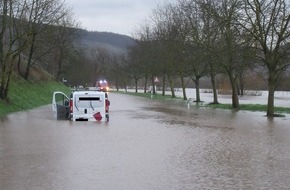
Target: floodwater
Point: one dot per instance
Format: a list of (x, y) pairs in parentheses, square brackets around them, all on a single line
[(147, 145)]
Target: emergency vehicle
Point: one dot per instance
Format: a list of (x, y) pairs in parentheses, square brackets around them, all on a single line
[(102, 85), (83, 105)]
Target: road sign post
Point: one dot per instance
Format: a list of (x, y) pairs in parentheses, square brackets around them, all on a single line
[(156, 80)]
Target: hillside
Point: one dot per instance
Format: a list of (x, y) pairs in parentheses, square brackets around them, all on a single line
[(110, 41), (28, 94)]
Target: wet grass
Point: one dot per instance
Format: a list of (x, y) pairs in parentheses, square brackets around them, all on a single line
[(25, 95), (245, 107), (250, 107)]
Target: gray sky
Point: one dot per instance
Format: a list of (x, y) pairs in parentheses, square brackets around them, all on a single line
[(118, 16)]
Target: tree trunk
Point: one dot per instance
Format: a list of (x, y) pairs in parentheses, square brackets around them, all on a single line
[(19, 65), (8, 84), (145, 85), (183, 88), (117, 85), (197, 86), (125, 87), (270, 106), (27, 71), (271, 92), (235, 97), (2, 56), (163, 84), (153, 84), (5, 81), (171, 83), (214, 89), (2, 92), (136, 85)]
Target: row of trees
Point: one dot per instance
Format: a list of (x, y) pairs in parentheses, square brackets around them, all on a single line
[(197, 38), (186, 40), (31, 32)]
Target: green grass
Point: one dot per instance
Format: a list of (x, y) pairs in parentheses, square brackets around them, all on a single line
[(24, 95), (246, 107), (250, 107)]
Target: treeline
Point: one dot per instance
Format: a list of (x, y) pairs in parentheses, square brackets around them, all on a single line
[(192, 39), (44, 34), (182, 41), (34, 32)]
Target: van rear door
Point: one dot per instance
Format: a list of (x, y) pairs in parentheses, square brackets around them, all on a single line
[(89, 106), (60, 106)]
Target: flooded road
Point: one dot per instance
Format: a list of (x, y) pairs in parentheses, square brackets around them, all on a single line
[(147, 145)]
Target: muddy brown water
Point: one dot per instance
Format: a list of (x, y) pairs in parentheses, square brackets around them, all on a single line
[(147, 145)]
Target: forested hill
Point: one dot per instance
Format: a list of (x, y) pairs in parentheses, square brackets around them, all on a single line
[(111, 41)]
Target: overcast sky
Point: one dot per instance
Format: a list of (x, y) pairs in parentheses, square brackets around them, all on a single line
[(118, 16)]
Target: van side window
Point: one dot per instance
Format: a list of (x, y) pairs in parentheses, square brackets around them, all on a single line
[(61, 100)]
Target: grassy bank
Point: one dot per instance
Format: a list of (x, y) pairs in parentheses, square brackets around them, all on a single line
[(24, 95), (246, 107), (251, 107)]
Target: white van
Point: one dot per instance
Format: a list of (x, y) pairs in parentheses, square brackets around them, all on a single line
[(81, 106)]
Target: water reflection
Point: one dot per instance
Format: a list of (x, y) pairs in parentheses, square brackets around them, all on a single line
[(234, 150)]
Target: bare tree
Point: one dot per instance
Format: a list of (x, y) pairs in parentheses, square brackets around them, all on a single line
[(12, 42), (169, 31), (135, 66), (149, 51), (64, 37), (268, 22), (40, 14), (22, 22), (3, 55), (230, 39), (143, 45), (196, 30)]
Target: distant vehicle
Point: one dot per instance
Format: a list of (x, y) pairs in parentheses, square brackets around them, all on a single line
[(102, 85), (83, 105)]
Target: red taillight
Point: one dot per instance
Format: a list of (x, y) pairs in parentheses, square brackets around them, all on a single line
[(107, 102), (71, 105), (107, 105)]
